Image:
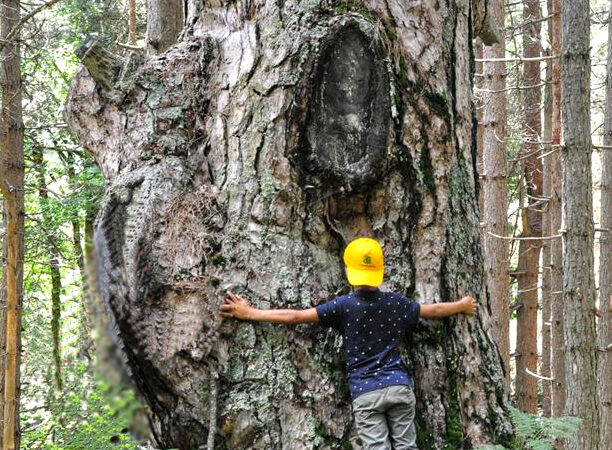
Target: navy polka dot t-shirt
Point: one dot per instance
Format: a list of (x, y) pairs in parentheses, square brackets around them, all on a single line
[(371, 323)]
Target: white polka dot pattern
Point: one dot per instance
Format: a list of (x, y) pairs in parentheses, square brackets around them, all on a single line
[(371, 323)]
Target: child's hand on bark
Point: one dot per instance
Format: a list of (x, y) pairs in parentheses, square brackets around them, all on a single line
[(236, 307), (469, 305)]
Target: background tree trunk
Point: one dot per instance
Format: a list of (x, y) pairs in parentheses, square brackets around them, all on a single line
[(545, 365), (556, 265), (54, 264), (164, 23), (85, 322), (247, 157), (578, 276), (478, 104), (605, 266), (529, 251), (11, 183), (495, 192), (3, 307), (132, 21)]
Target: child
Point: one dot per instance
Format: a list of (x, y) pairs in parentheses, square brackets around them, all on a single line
[(371, 323)]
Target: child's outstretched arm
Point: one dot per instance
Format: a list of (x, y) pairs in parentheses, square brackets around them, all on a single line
[(467, 305), (239, 308)]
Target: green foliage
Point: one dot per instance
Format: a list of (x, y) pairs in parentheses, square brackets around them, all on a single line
[(539, 433), (90, 414), (86, 413)]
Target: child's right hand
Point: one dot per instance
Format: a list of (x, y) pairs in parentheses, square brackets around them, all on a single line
[(469, 305)]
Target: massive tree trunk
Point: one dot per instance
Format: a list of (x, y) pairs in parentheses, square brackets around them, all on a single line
[(246, 156), (495, 188), (578, 276), (11, 184), (529, 250), (604, 332)]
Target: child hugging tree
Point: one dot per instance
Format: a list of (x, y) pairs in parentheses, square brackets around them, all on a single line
[(371, 323)]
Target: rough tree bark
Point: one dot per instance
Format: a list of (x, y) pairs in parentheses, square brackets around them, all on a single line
[(495, 189), (529, 250), (578, 275), (556, 264), (604, 332), (11, 184), (246, 156)]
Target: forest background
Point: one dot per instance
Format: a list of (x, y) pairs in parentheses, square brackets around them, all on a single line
[(73, 392)]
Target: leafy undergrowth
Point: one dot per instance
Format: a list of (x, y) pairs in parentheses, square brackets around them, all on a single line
[(89, 415)]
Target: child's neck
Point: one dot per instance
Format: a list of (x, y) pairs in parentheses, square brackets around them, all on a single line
[(365, 288)]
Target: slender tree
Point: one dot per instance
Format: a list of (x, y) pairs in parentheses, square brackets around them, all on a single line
[(11, 183), (164, 23), (545, 362), (132, 22), (494, 176), (556, 265), (53, 253), (85, 326), (529, 250), (578, 275), (605, 267), (3, 307), (478, 85)]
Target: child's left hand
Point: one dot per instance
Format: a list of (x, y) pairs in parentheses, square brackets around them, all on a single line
[(236, 306)]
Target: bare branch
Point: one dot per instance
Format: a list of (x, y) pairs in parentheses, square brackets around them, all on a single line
[(540, 58), (130, 47), (526, 238), (496, 91), (541, 377)]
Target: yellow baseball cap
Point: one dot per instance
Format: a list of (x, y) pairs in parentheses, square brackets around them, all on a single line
[(365, 264)]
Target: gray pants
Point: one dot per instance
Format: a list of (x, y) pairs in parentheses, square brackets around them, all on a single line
[(385, 418)]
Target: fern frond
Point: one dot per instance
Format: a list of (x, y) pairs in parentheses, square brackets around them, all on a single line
[(524, 423), (540, 444), (561, 427)]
